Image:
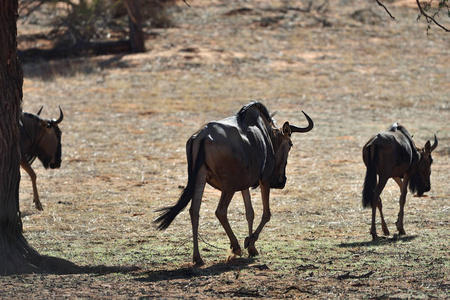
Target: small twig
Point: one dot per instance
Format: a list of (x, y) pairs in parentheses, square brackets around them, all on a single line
[(209, 243), (388, 12), (429, 18), (292, 287), (183, 243), (186, 3), (348, 276)]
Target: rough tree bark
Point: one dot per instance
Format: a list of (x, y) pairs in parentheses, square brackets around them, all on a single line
[(16, 255)]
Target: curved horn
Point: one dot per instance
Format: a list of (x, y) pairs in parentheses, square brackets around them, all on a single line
[(39, 112), (61, 116), (434, 144), (306, 129)]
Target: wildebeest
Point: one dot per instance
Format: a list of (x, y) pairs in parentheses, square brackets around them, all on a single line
[(393, 154), (39, 138), (234, 154)]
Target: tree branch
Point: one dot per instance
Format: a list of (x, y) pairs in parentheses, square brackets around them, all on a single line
[(388, 12), (429, 18)]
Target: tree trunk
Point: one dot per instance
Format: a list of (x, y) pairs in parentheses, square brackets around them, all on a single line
[(135, 24), (16, 255)]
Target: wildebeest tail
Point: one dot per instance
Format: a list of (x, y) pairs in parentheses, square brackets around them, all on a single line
[(370, 181), (169, 213)]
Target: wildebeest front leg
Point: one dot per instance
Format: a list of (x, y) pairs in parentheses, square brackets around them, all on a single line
[(250, 215), (250, 241), (194, 212), (221, 214), (26, 166), (404, 190), (249, 212)]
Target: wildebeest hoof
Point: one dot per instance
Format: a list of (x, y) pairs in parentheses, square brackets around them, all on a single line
[(237, 252), (233, 254), (249, 241), (252, 252), (198, 262), (374, 236), (38, 206), (400, 228)]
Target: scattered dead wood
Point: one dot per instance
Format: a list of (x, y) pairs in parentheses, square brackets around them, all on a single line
[(349, 276), (307, 267)]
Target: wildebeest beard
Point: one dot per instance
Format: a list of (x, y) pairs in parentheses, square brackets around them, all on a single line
[(416, 184), (276, 183), (45, 161)]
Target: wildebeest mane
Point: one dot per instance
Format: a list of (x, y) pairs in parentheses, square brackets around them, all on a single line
[(398, 127), (258, 105), (402, 129), (416, 184)]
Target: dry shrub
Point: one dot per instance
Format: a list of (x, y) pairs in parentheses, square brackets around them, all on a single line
[(93, 20)]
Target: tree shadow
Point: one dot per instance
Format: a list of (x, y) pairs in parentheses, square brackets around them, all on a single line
[(380, 241), (43, 264), (70, 67), (192, 271)]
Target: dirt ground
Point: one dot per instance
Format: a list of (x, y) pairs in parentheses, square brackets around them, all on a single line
[(127, 119)]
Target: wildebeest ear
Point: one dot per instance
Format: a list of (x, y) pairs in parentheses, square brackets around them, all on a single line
[(286, 129)]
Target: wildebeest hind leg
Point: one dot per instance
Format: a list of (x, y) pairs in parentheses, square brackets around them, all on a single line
[(378, 189), (383, 223), (221, 214), (194, 212)]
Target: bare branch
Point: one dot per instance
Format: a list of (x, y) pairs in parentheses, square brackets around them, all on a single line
[(186, 3), (28, 5), (429, 18), (388, 12)]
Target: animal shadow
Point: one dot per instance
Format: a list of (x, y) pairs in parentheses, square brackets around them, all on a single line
[(380, 241), (191, 272)]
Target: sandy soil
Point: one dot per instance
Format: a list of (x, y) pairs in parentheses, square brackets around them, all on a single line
[(127, 118)]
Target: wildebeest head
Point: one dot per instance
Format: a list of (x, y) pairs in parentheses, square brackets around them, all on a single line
[(420, 178), (49, 145), (282, 144)]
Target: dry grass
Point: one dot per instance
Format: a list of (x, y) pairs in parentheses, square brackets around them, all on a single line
[(127, 119)]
